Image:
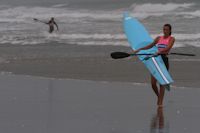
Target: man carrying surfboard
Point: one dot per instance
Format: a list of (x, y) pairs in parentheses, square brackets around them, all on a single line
[(164, 44)]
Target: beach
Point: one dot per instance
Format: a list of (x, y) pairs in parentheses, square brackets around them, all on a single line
[(66, 82), (46, 105), (79, 90), (83, 62)]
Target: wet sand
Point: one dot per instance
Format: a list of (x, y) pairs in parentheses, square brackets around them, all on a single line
[(93, 63), (43, 105), (80, 89), (102, 69)]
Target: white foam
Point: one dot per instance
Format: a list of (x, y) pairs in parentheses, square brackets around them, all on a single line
[(65, 14), (5, 39), (179, 37), (158, 9), (92, 36), (189, 14), (182, 40), (25, 13), (187, 36), (60, 5), (104, 43)]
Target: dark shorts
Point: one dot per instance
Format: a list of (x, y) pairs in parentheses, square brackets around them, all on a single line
[(51, 29), (165, 59)]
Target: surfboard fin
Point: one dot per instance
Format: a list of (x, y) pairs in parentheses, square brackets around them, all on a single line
[(167, 87)]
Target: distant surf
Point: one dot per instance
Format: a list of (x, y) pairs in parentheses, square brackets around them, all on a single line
[(182, 40), (96, 27)]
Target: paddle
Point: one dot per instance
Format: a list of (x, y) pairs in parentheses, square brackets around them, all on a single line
[(119, 55), (37, 20)]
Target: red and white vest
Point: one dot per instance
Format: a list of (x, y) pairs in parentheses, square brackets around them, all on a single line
[(163, 42)]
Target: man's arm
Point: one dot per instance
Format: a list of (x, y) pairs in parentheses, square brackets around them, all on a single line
[(56, 25)]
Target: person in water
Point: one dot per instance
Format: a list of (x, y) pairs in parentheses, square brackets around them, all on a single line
[(51, 24), (164, 44)]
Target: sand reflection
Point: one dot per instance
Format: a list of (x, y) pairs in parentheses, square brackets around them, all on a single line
[(159, 123)]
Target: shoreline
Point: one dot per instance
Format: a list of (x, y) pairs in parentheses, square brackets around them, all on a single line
[(92, 63), (121, 71)]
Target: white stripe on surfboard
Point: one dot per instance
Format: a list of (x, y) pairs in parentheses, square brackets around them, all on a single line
[(161, 73), (127, 18)]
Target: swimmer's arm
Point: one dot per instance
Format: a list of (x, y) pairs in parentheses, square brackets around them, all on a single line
[(56, 25), (47, 22)]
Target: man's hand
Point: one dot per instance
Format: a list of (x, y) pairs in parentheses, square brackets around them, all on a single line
[(136, 51)]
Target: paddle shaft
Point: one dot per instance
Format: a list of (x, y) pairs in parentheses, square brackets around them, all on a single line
[(119, 55), (182, 54), (35, 19)]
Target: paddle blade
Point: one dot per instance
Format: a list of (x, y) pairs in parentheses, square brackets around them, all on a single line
[(119, 55), (35, 19)]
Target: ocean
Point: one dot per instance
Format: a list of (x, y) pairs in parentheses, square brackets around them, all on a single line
[(95, 22)]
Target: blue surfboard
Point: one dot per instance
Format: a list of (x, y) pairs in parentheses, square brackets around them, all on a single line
[(139, 37)]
